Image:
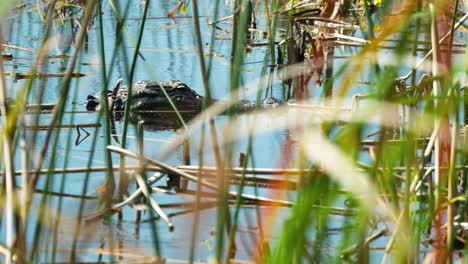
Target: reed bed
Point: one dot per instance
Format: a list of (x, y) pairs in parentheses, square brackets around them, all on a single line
[(373, 133)]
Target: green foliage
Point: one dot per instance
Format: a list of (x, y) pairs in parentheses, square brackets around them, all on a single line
[(361, 178)]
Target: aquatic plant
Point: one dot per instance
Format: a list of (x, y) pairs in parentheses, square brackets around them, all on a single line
[(372, 148)]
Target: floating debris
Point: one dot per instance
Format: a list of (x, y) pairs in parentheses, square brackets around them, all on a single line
[(27, 75), (7, 56)]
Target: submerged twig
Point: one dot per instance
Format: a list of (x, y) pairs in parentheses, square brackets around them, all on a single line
[(129, 199), (193, 178), (152, 202)]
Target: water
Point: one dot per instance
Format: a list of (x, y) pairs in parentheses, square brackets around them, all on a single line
[(168, 51)]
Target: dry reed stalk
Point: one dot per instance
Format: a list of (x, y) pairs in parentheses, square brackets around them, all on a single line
[(183, 174), (7, 138)]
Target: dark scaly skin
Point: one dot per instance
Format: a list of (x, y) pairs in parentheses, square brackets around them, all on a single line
[(148, 99), (147, 95)]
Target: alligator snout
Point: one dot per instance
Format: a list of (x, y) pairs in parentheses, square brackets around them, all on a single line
[(92, 103)]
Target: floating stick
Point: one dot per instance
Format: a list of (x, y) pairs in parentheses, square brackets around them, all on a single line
[(188, 176)]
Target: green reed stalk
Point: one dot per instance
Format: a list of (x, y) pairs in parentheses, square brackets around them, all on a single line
[(196, 216), (223, 209), (58, 110), (201, 59), (241, 17), (22, 96), (437, 124), (412, 156), (370, 22), (289, 29), (9, 132), (265, 58), (454, 103), (79, 216), (142, 171), (233, 229), (292, 244), (213, 37), (122, 183), (132, 71), (58, 215), (7, 137), (121, 27), (205, 72), (272, 24), (25, 92), (240, 27), (119, 35), (262, 244), (107, 115), (49, 182)]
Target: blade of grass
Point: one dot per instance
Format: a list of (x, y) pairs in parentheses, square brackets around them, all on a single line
[(58, 110), (128, 103), (7, 136)]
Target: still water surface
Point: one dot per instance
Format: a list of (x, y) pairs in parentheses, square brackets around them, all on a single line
[(169, 50), (168, 47)]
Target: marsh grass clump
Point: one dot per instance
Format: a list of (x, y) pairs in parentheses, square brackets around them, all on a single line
[(364, 162)]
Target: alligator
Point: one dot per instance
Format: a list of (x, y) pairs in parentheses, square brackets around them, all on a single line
[(150, 103)]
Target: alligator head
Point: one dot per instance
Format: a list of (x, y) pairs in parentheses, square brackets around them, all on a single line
[(149, 102), (93, 102)]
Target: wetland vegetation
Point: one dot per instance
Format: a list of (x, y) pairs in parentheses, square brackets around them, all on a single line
[(354, 148)]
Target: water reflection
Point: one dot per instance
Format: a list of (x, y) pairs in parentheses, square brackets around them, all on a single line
[(168, 52)]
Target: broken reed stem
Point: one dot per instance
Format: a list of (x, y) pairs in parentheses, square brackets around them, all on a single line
[(186, 161), (188, 176), (460, 22), (220, 20), (47, 127), (135, 195), (203, 206), (152, 202), (9, 46), (68, 195), (233, 203)]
